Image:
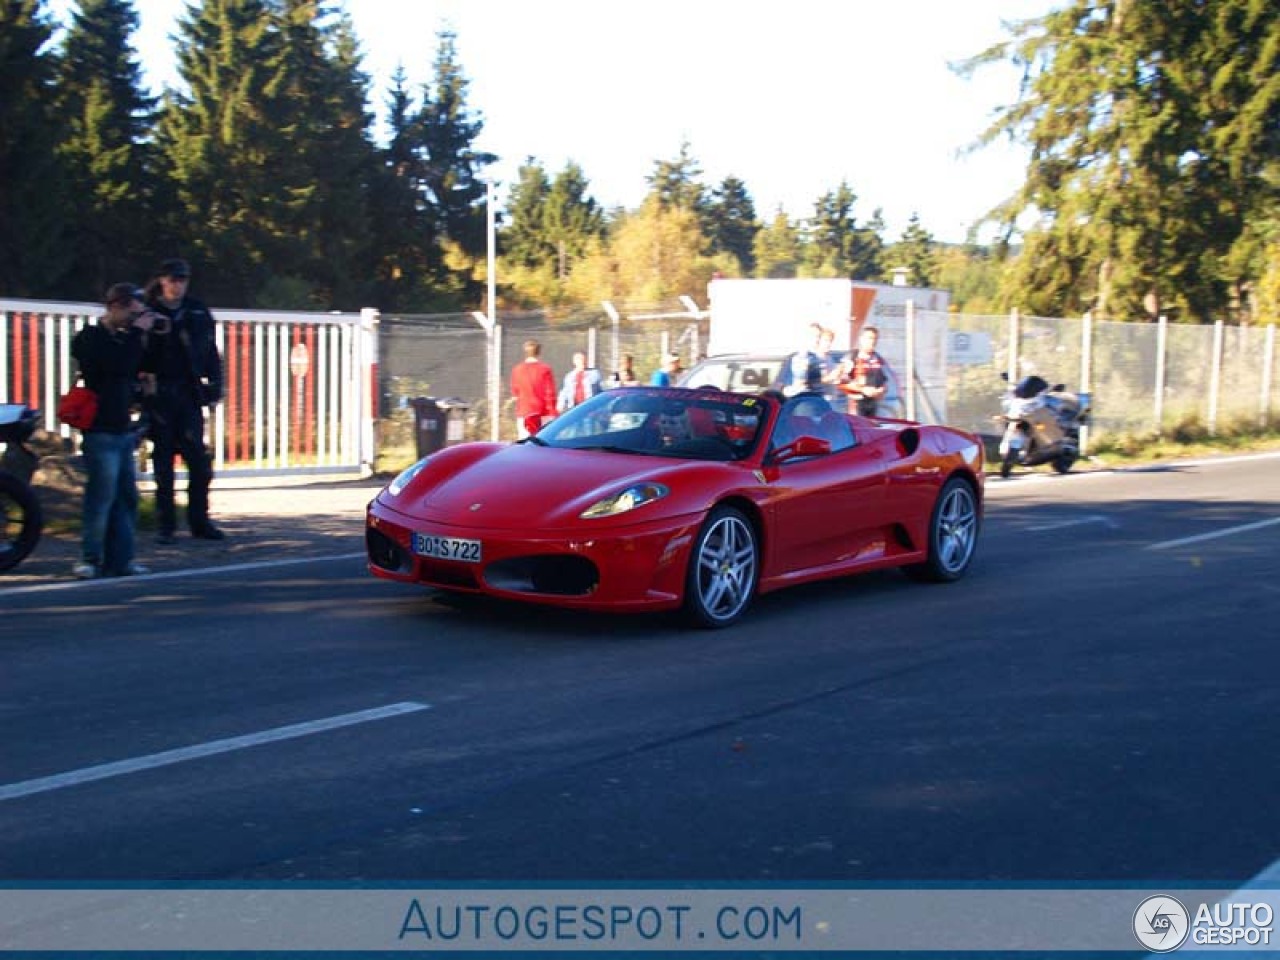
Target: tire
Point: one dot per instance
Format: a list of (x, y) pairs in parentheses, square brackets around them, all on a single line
[(724, 567), (953, 534), (1006, 465), (1064, 462), (21, 521)]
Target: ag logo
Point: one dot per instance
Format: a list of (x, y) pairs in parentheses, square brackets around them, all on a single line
[(1161, 924)]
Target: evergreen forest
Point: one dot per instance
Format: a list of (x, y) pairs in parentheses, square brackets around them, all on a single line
[(1152, 184)]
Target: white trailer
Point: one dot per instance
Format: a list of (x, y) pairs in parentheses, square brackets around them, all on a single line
[(776, 316)]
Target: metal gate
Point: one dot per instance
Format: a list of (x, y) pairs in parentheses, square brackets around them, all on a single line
[(300, 388)]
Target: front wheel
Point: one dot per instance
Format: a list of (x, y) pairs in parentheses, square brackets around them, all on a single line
[(723, 569), (1065, 461), (953, 534), (21, 521), (1006, 464)]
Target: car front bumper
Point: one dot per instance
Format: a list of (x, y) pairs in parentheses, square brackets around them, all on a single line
[(621, 568)]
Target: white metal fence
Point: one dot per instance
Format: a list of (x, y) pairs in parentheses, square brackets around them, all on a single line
[(299, 394)]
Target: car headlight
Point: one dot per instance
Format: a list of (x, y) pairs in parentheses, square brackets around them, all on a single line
[(628, 499), (396, 486)]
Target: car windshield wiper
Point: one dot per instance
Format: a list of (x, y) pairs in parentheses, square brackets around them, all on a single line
[(534, 439), (612, 448)]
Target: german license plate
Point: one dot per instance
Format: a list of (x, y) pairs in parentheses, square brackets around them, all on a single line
[(446, 548)]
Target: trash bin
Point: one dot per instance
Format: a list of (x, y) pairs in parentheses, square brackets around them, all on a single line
[(455, 414), (428, 425)]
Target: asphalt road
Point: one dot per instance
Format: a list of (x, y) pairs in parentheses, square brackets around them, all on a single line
[(1095, 702)]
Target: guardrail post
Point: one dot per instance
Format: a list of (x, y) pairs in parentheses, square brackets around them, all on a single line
[(1268, 364), (1012, 368), (911, 359), (1086, 375), (1162, 354), (614, 319), (495, 385), (1215, 377), (368, 352)]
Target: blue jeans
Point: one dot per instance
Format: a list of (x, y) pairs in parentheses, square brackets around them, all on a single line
[(110, 501)]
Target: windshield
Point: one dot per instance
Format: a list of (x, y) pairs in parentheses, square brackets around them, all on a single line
[(686, 424)]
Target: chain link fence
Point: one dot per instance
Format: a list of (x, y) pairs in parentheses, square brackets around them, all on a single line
[(453, 359), (1143, 378)]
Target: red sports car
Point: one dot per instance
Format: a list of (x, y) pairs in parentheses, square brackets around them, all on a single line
[(648, 498)]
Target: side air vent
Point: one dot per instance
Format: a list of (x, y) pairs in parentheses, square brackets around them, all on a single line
[(908, 441)]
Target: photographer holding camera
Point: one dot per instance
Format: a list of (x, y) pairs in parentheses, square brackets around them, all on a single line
[(183, 357), (108, 355)]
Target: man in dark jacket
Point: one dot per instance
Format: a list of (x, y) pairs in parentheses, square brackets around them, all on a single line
[(108, 354), (183, 356)]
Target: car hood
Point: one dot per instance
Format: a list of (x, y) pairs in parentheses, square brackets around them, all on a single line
[(528, 486)]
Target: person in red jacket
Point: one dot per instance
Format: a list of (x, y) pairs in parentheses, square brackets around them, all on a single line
[(533, 384)]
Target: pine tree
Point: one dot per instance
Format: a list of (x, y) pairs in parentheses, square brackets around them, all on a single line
[(453, 170), (916, 253), (217, 143), (1153, 132), (104, 117), (524, 237), (326, 160), (731, 223), (402, 228), (835, 245), (677, 183), (571, 218), (34, 212), (778, 248)]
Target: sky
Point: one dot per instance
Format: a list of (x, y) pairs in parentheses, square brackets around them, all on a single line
[(792, 97)]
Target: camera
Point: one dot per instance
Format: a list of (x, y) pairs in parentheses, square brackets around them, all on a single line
[(160, 324)]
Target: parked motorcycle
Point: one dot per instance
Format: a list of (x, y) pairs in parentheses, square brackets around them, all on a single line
[(21, 519), (1042, 425)]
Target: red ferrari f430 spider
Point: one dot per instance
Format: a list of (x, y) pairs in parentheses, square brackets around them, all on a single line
[(647, 498)]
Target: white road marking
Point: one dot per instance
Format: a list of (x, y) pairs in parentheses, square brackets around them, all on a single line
[(1266, 879), (175, 574), (1202, 462), (1077, 522), (1168, 544), (71, 778)]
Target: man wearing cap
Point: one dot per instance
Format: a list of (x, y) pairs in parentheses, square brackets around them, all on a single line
[(184, 358), (108, 354), (665, 375)]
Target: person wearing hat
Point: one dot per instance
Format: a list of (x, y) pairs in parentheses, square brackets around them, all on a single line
[(183, 357), (108, 355), (665, 375)]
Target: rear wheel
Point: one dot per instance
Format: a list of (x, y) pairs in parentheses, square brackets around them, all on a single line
[(953, 534), (723, 569), (21, 521)]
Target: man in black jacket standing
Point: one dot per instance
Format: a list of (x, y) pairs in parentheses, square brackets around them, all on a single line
[(183, 355), (107, 354)]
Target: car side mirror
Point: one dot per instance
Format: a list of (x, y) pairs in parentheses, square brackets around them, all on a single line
[(803, 447)]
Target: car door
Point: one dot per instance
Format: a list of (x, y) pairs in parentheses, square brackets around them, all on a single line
[(826, 510)]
